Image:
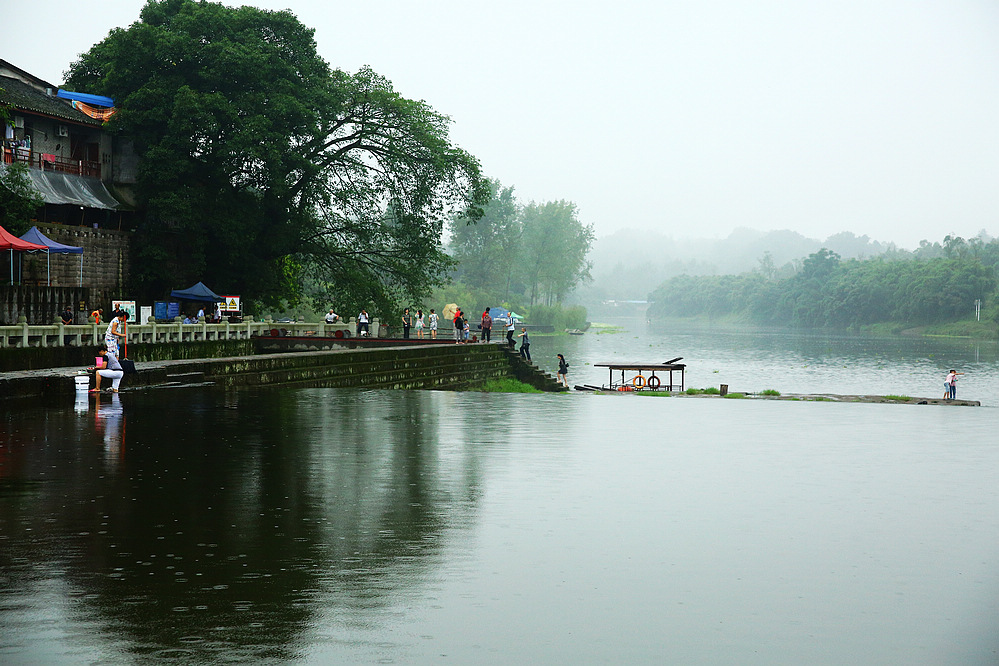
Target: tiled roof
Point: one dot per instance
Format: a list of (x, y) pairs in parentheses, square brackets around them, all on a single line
[(24, 97)]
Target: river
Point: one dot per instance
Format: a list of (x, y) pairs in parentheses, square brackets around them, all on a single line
[(309, 525)]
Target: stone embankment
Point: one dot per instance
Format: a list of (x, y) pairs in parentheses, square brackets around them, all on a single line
[(357, 363)]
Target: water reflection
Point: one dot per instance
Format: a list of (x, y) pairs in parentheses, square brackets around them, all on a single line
[(109, 420), (325, 525), (227, 517)]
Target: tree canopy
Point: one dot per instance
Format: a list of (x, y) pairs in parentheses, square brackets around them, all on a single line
[(262, 165), (534, 253)]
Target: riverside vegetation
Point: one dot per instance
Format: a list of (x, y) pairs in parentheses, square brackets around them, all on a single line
[(934, 289)]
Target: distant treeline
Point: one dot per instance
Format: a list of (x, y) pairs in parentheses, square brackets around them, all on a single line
[(936, 283)]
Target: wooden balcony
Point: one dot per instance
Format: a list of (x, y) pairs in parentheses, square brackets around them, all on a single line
[(47, 162)]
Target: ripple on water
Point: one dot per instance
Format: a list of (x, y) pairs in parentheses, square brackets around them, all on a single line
[(176, 654)]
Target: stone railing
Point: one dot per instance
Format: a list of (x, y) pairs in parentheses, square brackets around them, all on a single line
[(25, 335)]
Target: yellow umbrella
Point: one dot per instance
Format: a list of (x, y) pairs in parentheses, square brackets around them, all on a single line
[(447, 314)]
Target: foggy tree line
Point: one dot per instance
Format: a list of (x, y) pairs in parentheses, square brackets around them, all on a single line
[(525, 254), (935, 283)]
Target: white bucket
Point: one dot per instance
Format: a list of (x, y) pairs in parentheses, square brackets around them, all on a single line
[(82, 382)]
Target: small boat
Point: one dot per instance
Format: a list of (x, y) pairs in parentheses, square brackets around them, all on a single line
[(639, 381), (574, 331)]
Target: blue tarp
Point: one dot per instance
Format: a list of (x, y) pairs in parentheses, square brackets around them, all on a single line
[(198, 292), (33, 235), (86, 98), (502, 314)]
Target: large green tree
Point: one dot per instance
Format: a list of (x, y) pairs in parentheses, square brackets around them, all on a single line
[(19, 200), (553, 250), (260, 163), (486, 251)]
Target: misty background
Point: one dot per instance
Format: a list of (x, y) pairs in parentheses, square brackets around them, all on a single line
[(689, 120)]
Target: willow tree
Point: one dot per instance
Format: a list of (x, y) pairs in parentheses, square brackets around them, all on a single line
[(260, 163), (554, 245)]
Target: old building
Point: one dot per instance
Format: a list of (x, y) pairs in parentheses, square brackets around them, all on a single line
[(85, 176)]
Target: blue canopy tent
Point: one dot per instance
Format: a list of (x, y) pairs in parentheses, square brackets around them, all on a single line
[(502, 314), (198, 292), (37, 237)]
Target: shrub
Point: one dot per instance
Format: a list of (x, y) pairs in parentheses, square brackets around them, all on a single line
[(556, 315)]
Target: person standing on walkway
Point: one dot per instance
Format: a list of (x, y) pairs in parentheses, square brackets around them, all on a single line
[(487, 326), (563, 370), (510, 326), (67, 316), (407, 323), (332, 317), (419, 324), (362, 323), (433, 324), (116, 330), (459, 327), (525, 344)]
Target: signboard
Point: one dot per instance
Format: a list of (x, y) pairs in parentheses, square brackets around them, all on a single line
[(230, 304), (127, 306), (145, 312)]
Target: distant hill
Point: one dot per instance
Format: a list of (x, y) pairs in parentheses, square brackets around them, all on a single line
[(631, 263)]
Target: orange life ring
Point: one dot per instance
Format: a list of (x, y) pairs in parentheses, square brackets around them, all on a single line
[(638, 381)]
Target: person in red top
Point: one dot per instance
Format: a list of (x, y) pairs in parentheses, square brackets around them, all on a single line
[(487, 326), (459, 325)]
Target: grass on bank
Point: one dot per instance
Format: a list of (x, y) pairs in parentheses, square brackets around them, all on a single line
[(605, 329), (506, 385)]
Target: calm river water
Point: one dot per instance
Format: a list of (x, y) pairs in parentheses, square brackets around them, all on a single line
[(420, 527)]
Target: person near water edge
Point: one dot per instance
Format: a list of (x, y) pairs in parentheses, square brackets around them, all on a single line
[(112, 370), (950, 385), (525, 344), (563, 370)]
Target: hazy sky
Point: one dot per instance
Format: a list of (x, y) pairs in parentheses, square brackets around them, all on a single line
[(693, 118)]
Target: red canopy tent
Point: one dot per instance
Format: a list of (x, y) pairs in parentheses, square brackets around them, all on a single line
[(12, 243)]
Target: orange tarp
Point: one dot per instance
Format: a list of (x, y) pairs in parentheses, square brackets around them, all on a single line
[(94, 112)]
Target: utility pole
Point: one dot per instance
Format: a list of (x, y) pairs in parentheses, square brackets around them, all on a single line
[(978, 309)]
